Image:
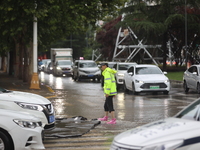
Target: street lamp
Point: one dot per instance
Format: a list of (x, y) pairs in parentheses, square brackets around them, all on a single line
[(186, 51)]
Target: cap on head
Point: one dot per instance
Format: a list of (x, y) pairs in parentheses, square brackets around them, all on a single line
[(104, 64)]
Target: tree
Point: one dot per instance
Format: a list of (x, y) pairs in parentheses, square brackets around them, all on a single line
[(158, 21), (56, 20)]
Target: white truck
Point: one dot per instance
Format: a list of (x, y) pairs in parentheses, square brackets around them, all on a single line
[(58, 54)]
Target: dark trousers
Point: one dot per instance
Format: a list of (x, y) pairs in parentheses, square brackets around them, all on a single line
[(108, 105)]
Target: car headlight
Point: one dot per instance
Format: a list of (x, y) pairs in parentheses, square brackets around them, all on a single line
[(170, 145), (27, 123), (51, 68), (58, 68), (30, 106), (139, 81), (120, 74), (166, 81)]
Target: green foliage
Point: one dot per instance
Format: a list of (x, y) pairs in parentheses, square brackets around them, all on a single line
[(178, 76)]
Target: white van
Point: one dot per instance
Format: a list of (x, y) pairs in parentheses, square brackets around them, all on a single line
[(31, 103)]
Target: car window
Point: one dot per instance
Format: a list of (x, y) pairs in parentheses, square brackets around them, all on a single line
[(124, 66), (148, 70), (130, 69), (87, 65), (191, 69), (191, 112)]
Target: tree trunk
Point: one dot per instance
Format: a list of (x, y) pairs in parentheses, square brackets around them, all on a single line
[(164, 47)]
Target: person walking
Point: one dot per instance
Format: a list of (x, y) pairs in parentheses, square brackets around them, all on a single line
[(110, 90)]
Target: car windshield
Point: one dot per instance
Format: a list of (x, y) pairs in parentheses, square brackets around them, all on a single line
[(124, 66), (88, 65), (64, 63), (192, 112), (148, 70)]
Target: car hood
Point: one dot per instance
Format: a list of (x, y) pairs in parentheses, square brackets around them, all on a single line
[(160, 131), (152, 77), (65, 66), (90, 69), (24, 97)]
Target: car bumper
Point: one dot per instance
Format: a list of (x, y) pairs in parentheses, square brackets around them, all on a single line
[(26, 138), (152, 87)]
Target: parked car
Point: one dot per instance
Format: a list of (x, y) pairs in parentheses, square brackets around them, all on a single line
[(20, 131), (121, 68), (46, 64), (86, 69), (30, 103), (49, 68), (191, 78), (180, 132), (62, 67), (43, 63), (146, 78)]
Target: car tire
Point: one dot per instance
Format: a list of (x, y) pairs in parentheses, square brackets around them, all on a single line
[(186, 89), (198, 88), (5, 142), (133, 89), (125, 88)]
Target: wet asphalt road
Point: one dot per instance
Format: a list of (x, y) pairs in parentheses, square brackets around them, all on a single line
[(85, 98)]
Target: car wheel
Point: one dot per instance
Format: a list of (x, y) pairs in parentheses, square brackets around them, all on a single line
[(125, 88), (198, 88), (186, 89), (5, 142), (133, 88)]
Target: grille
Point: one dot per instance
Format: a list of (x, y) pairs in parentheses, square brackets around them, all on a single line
[(89, 72), (147, 85), (65, 68)]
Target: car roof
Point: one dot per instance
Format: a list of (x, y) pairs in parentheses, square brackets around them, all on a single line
[(84, 61), (127, 63), (145, 65)]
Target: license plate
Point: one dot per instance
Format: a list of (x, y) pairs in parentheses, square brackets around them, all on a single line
[(154, 87), (90, 75), (51, 118), (65, 71)]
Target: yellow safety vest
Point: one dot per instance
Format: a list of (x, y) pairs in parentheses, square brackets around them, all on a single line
[(109, 87)]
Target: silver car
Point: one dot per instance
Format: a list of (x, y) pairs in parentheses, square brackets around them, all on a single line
[(191, 78), (86, 69)]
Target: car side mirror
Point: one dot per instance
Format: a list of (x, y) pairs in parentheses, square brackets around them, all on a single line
[(164, 72), (195, 73), (130, 73)]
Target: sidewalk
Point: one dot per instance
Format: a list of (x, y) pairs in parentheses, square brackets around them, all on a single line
[(9, 82)]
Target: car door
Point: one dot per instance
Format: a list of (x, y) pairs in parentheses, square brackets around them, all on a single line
[(129, 77), (191, 77)]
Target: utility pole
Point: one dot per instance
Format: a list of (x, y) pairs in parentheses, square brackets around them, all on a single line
[(35, 79)]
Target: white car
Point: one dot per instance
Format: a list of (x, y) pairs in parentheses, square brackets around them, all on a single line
[(191, 78), (121, 68), (20, 131), (180, 132), (63, 67), (86, 69), (146, 78), (30, 103), (46, 64)]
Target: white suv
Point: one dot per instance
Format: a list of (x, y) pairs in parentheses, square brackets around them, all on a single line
[(86, 69), (62, 67), (30, 103), (20, 131)]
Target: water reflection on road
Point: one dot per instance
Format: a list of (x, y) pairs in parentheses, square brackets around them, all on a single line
[(85, 98)]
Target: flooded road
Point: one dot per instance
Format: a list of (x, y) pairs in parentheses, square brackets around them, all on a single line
[(85, 98)]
